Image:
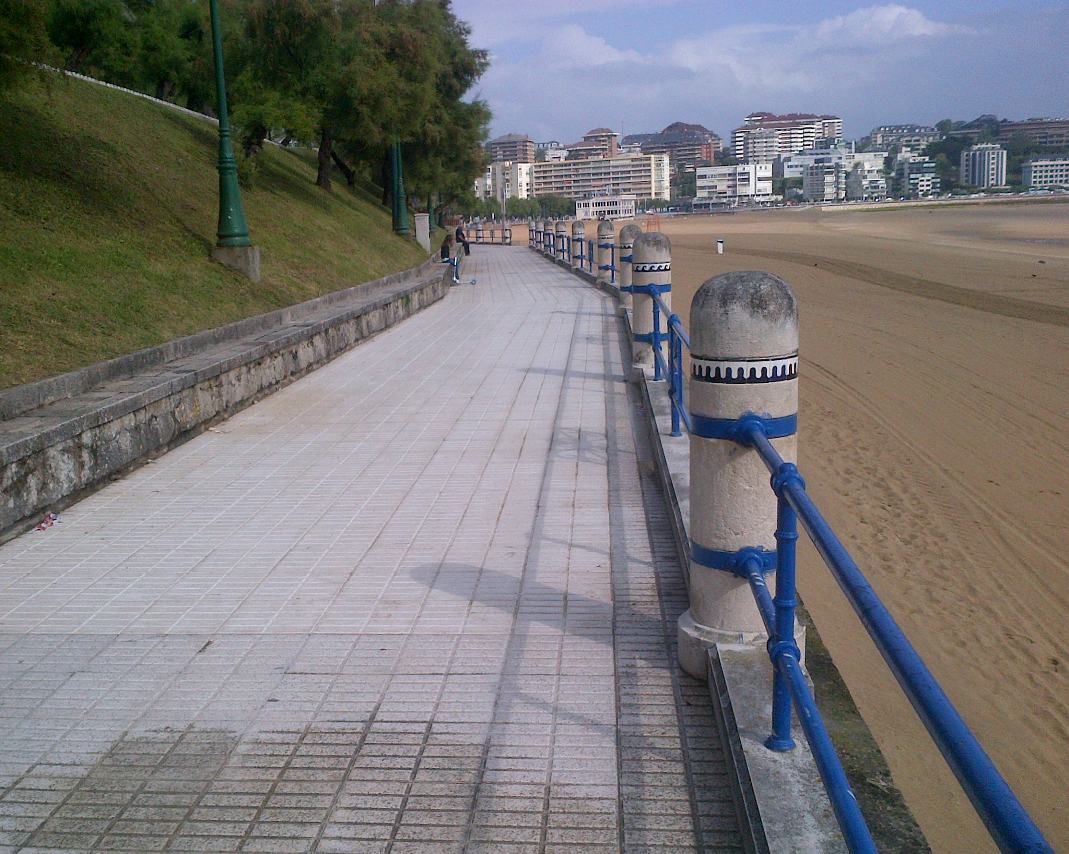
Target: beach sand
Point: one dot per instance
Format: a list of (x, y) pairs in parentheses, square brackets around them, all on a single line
[(934, 435)]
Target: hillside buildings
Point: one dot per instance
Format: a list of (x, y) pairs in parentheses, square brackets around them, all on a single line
[(605, 207), (513, 148), (765, 136), (866, 182), (984, 165), (795, 165), (640, 175), (747, 183), (1045, 174), (915, 136), (599, 142), (1042, 131), (688, 146)]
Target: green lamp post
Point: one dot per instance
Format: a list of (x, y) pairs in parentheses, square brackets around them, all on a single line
[(400, 204), (233, 246)]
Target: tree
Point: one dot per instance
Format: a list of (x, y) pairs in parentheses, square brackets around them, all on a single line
[(23, 37), (95, 37)]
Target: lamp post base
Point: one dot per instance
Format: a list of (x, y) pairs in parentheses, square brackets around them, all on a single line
[(244, 259)]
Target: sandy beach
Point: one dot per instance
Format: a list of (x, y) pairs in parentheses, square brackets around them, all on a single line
[(934, 434)]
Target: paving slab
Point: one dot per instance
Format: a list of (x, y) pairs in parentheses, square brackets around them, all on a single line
[(422, 599)]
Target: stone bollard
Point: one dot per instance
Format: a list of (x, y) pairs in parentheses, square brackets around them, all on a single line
[(547, 236), (560, 240), (533, 232), (651, 264), (479, 233), (628, 234), (578, 238), (744, 362), (606, 234)]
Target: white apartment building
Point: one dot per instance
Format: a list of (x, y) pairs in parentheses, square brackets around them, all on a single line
[(866, 183), (824, 182), (747, 182), (795, 165), (605, 207), (504, 180), (1046, 173), (917, 136), (644, 176), (765, 136), (984, 165)]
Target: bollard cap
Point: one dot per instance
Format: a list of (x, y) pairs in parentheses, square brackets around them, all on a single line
[(605, 228), (745, 315), (578, 228), (562, 225), (629, 233), (650, 247)]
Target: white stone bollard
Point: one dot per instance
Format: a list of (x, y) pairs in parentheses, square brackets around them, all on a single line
[(719, 247), (479, 232), (423, 231), (651, 265), (548, 230), (578, 243), (744, 362), (628, 235), (560, 240), (603, 254)]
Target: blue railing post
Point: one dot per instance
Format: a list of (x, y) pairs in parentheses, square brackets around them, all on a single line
[(560, 230), (590, 257), (786, 600), (656, 339), (675, 353)]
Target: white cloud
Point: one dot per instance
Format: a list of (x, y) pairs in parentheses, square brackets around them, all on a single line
[(878, 25), (573, 47)]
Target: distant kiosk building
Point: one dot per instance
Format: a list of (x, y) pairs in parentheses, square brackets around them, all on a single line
[(605, 207), (984, 165)]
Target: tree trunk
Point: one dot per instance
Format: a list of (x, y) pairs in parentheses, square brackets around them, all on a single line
[(326, 147), (346, 170)]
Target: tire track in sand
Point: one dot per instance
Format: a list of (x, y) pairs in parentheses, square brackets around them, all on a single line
[(1037, 312)]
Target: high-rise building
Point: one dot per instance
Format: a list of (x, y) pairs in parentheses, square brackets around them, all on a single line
[(824, 182), (984, 165), (746, 182), (503, 181), (644, 176), (687, 146), (915, 176), (794, 165), (1041, 174), (599, 142), (513, 147), (765, 136)]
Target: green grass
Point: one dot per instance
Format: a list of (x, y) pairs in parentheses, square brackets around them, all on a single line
[(107, 216)]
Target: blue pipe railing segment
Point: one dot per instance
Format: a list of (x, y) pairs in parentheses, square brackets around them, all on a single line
[(1006, 820)]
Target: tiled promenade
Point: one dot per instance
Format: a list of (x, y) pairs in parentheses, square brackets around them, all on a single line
[(423, 599)]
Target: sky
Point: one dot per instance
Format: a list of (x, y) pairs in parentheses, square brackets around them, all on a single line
[(561, 67)]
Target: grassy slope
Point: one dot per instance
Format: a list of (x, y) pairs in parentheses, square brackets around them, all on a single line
[(108, 212)]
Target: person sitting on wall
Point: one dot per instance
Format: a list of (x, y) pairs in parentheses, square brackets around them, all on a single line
[(462, 238), (447, 247)]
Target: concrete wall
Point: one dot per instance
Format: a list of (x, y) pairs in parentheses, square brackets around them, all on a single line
[(66, 434)]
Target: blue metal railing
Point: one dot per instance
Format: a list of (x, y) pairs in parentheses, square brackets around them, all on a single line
[(1006, 820), (611, 266)]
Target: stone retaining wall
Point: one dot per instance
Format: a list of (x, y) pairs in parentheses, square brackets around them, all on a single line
[(63, 435)]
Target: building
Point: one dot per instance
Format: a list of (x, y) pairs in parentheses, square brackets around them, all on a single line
[(824, 182), (916, 136), (1039, 174), (512, 147), (503, 181), (916, 177), (644, 176), (795, 165), (866, 182), (1041, 131), (984, 165), (730, 185), (599, 142), (687, 146), (605, 207), (765, 136)]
